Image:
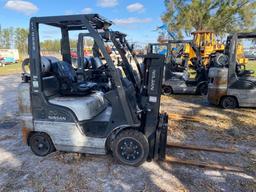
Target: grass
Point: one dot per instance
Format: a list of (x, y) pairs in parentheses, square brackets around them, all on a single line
[(251, 65), (16, 68), (10, 69)]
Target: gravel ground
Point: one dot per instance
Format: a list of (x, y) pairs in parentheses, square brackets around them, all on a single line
[(20, 170)]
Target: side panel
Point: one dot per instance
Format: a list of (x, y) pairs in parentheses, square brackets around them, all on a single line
[(69, 137), (246, 98), (180, 87)]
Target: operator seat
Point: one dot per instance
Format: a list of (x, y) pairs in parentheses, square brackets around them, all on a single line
[(68, 80), (94, 70), (84, 107), (92, 63)]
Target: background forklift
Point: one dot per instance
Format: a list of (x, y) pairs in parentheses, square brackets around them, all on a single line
[(181, 56), (208, 46), (61, 112), (120, 46), (231, 84)]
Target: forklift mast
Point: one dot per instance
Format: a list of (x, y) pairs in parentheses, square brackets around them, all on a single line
[(120, 43), (148, 90), (150, 94)]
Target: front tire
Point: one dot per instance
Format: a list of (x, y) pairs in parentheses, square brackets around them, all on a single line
[(131, 147), (229, 102), (167, 90), (41, 144), (202, 89)]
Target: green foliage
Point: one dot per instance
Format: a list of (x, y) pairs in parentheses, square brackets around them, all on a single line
[(18, 38), (50, 45), (251, 65), (220, 16), (6, 38), (11, 69), (14, 38), (73, 43), (21, 40), (88, 42), (54, 45)]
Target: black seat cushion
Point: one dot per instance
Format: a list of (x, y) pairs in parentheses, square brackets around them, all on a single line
[(85, 86), (68, 80), (64, 71)]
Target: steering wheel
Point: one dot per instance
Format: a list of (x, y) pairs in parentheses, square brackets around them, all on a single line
[(243, 72)]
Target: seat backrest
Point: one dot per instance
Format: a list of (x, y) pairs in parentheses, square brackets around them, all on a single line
[(64, 72), (92, 63), (52, 59), (50, 86), (87, 64), (96, 62), (50, 82)]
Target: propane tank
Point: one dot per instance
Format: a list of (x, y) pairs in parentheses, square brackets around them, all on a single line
[(25, 105), (24, 99)]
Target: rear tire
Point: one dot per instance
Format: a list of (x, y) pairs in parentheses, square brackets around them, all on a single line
[(131, 147), (229, 102), (167, 90), (41, 144)]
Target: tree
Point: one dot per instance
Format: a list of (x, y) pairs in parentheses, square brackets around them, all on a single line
[(21, 41), (50, 45), (220, 16), (88, 42), (73, 43), (6, 38)]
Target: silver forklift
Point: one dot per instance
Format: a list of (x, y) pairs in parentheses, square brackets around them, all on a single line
[(231, 85), (63, 112), (177, 78)]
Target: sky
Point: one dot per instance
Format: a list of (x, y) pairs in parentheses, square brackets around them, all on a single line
[(137, 18)]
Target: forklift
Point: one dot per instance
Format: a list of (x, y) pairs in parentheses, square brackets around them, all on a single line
[(120, 46), (60, 111), (182, 55), (231, 85)]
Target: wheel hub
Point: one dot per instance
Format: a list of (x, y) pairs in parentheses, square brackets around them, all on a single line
[(40, 144), (167, 90), (229, 103), (130, 149)]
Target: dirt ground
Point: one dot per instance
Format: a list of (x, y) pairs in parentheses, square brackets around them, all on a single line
[(20, 170)]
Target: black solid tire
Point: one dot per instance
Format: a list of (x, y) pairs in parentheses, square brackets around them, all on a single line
[(202, 89), (167, 90), (41, 144), (131, 148), (229, 102)]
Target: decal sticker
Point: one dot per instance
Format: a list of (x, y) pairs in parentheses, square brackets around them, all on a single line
[(152, 99), (35, 84)]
